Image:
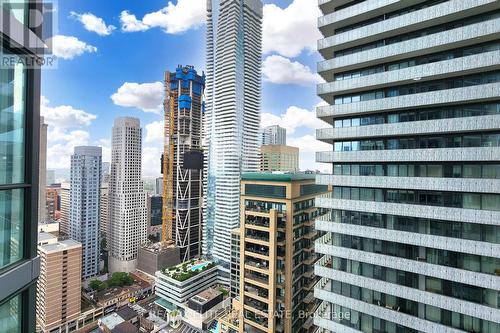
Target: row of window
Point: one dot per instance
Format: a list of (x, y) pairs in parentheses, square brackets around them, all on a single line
[(414, 197), (461, 230), (465, 261), (420, 60), (446, 170), (445, 317), (453, 289), (419, 33), (418, 88), (472, 110), (445, 141), (388, 16)]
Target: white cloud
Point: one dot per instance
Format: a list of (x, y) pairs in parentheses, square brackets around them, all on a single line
[(93, 23), (130, 23), (64, 116), (293, 118), (68, 47), (64, 132), (308, 144), (308, 147), (173, 19), (154, 132), (61, 145), (288, 31), (151, 161), (145, 96), (106, 149), (281, 70)]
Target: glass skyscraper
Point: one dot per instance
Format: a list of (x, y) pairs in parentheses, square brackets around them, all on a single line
[(232, 116), (412, 239), (19, 144)]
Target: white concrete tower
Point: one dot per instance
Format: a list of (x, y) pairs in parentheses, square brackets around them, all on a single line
[(412, 239), (232, 118), (84, 205), (127, 227)]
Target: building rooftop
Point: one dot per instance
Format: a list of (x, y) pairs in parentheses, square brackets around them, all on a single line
[(277, 177), (46, 238), (206, 296), (187, 270), (60, 246), (111, 321), (127, 313), (125, 327)]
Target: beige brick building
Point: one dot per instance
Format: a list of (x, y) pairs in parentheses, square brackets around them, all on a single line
[(279, 158), (59, 284)]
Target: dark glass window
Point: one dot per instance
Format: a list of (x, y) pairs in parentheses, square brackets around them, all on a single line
[(267, 191)]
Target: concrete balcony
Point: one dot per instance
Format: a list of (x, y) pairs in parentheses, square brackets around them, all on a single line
[(475, 154), (421, 296), (472, 64), (327, 6), (416, 20), (479, 93), (442, 41), (358, 13), (410, 128), (382, 312), (423, 211), (430, 241), (474, 185), (488, 281)]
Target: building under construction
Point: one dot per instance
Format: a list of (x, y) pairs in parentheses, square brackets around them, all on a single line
[(183, 161)]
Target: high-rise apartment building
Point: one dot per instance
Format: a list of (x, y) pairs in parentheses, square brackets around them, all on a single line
[(155, 209), (235, 264), (19, 165), (412, 241), (106, 170), (158, 186), (65, 208), (85, 194), (42, 176), (183, 159), (59, 285), (232, 116), (279, 158), (52, 201), (277, 252), (274, 135), (127, 227), (104, 211)]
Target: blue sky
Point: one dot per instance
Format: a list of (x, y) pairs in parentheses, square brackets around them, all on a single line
[(112, 59)]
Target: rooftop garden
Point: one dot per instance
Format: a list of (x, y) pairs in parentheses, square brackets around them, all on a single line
[(188, 269)]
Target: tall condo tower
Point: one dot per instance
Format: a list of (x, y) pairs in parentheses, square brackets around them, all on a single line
[(127, 226), (42, 175), (232, 117), (183, 162), (412, 240), (274, 135), (85, 205)]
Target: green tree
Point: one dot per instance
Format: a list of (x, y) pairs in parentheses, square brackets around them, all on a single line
[(119, 279), (97, 285)]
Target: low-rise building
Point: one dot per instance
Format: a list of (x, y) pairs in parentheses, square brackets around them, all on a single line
[(113, 298), (59, 285), (177, 284), (203, 308)]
